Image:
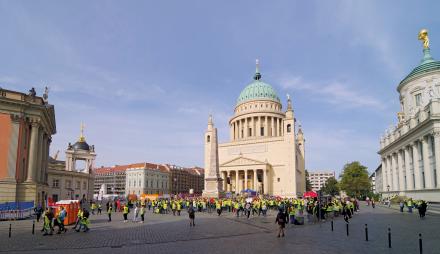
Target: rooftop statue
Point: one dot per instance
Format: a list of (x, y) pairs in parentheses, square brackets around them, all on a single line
[(423, 36)]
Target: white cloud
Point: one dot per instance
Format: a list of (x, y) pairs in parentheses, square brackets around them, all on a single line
[(332, 92)]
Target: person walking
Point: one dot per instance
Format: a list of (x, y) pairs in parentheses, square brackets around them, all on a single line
[(62, 214), (99, 208), (401, 206), (135, 213), (142, 213), (48, 227), (109, 212), (422, 209), (125, 212), (191, 214), (38, 211), (281, 221)]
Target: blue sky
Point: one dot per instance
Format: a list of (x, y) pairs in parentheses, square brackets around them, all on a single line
[(144, 75)]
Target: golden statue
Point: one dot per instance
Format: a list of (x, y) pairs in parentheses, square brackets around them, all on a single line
[(423, 36)]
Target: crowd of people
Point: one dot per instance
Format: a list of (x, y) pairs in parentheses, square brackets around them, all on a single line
[(409, 203), (288, 210)]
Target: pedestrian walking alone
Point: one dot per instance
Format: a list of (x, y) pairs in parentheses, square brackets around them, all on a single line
[(281, 221), (191, 214)]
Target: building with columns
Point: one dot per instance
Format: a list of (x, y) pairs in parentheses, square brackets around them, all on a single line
[(410, 151), (266, 151), (27, 123)]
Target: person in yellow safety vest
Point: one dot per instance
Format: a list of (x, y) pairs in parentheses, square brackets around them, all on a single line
[(173, 207), (292, 214), (218, 206), (165, 207), (125, 212), (179, 208), (47, 226), (78, 218), (142, 213), (237, 208), (93, 207), (109, 212), (85, 220), (329, 211)]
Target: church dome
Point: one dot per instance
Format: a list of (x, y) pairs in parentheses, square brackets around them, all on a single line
[(81, 145), (427, 65), (258, 90)]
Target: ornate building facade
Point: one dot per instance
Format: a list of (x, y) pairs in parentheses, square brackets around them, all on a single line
[(27, 123), (410, 151), (266, 151)]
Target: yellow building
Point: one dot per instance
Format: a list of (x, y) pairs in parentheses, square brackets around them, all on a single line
[(265, 152)]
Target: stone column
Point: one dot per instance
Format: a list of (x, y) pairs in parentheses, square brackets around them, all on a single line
[(384, 174), (395, 173), (246, 128), (245, 180), (39, 154), (409, 178), (258, 126), (265, 182), (266, 126), (400, 168), (281, 126), (426, 165), (236, 181), (228, 186), (255, 182), (437, 156), (272, 131), (231, 131), (33, 154), (416, 164)]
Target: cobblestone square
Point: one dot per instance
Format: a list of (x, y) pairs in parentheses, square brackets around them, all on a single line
[(228, 234)]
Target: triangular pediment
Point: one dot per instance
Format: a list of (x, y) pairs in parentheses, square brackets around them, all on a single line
[(242, 161)]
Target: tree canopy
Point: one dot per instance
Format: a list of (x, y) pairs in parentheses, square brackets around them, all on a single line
[(331, 187), (355, 181)]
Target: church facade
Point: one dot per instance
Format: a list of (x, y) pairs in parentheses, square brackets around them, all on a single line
[(265, 152)]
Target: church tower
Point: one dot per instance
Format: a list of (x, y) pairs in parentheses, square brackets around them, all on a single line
[(213, 182)]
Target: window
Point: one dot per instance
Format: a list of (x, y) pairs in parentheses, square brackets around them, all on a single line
[(250, 132), (139, 183), (78, 185), (55, 183), (262, 131), (278, 179), (84, 185), (68, 184), (418, 98), (289, 128), (208, 139), (54, 198)]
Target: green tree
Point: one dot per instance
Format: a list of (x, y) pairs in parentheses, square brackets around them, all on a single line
[(308, 184), (355, 180), (331, 187)]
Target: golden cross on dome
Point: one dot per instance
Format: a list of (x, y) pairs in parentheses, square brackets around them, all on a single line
[(81, 137)]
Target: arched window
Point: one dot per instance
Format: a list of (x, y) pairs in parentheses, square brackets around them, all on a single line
[(289, 127), (208, 139)]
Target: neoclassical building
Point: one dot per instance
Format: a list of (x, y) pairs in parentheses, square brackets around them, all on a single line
[(27, 123), (265, 152), (410, 151)]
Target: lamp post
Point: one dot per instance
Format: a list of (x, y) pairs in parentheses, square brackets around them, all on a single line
[(175, 184)]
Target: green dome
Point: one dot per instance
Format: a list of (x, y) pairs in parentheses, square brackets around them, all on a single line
[(258, 90), (427, 64)]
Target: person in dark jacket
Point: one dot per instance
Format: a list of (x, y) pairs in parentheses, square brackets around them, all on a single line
[(422, 209), (281, 220)]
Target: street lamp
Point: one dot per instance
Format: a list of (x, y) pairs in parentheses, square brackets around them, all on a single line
[(175, 183)]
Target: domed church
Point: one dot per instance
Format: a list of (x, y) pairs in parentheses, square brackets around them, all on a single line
[(265, 152)]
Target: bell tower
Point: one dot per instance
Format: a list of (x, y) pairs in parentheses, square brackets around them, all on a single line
[(213, 182)]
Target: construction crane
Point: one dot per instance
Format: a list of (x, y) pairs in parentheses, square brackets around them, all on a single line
[(56, 155)]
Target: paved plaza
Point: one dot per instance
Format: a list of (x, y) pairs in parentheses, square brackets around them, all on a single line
[(227, 234)]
